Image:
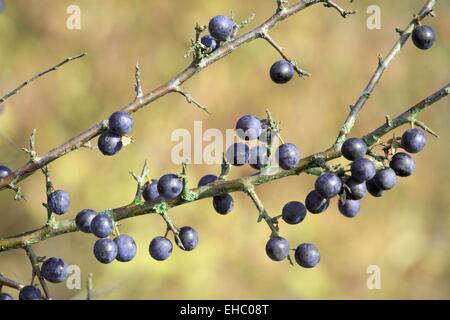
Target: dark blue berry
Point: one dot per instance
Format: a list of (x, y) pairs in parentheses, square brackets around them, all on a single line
[(170, 186), (150, 192), (355, 190), (209, 178), (30, 293), (223, 204), (160, 248), (373, 189), (120, 122), (328, 185), (238, 154), (413, 140), (423, 37), (307, 255), (248, 127), (209, 42), (353, 149), (363, 170), (109, 143), (58, 202), (349, 208), (4, 295), (221, 28), (277, 248), (403, 164), (54, 270), (281, 71), (105, 250), (293, 212), (288, 156), (126, 248), (385, 179), (259, 157), (4, 171), (84, 219), (315, 203), (189, 238), (102, 225)]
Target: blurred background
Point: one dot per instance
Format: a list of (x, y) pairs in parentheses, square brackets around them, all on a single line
[(406, 233)]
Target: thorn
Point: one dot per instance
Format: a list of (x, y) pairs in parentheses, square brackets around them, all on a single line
[(138, 86), (399, 31), (426, 128)]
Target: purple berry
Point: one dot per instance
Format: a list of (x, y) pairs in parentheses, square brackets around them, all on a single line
[(221, 28), (58, 202), (160, 248), (328, 185), (403, 164), (423, 37), (307, 255), (84, 219), (353, 149), (120, 122), (109, 143), (170, 186), (248, 127), (315, 203), (293, 212), (54, 270), (126, 248), (105, 250), (363, 170), (281, 71), (102, 225), (277, 248), (223, 204), (150, 192), (413, 140), (288, 156)]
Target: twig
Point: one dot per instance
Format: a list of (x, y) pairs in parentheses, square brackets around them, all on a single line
[(409, 116), (225, 168), (280, 50), (4, 281), (263, 214), (189, 99), (49, 189), (344, 13), (40, 74), (141, 181), (34, 260), (381, 67)]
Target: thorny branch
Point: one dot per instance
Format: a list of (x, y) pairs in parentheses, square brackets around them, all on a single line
[(381, 67), (169, 87), (40, 74), (221, 186)]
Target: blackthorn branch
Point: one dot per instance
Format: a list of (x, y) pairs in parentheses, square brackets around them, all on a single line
[(40, 74), (382, 65), (307, 165), (169, 87)]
